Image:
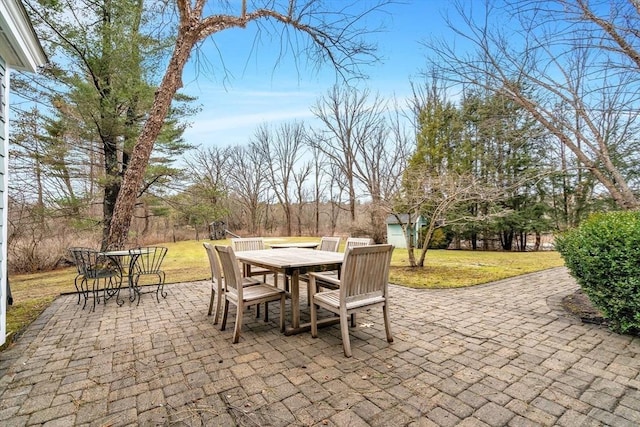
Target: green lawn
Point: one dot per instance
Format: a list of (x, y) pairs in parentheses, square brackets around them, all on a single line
[(187, 261)]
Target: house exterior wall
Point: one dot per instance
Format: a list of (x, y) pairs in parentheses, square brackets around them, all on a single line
[(20, 50), (4, 157)]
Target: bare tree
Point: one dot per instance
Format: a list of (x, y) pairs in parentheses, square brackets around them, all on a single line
[(247, 181), (280, 151), (435, 197), (573, 66), (318, 183), (350, 122), (362, 141), (207, 176), (325, 34), (209, 166), (301, 192), (337, 186)]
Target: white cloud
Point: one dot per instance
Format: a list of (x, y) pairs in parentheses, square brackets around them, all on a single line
[(244, 121), (231, 129)]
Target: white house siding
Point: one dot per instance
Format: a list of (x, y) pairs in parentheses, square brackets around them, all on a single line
[(20, 50), (4, 156)]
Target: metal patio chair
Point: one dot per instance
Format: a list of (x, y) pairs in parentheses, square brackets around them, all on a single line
[(103, 272), (147, 261)]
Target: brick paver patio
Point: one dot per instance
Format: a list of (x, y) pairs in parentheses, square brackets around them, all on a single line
[(499, 354)]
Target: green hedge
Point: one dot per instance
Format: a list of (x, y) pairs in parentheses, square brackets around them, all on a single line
[(603, 254)]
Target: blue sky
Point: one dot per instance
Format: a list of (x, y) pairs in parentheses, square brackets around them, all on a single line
[(255, 90)]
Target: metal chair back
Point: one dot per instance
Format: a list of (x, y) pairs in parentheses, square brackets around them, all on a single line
[(148, 260)]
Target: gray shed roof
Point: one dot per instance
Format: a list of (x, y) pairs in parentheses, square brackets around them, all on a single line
[(391, 219)]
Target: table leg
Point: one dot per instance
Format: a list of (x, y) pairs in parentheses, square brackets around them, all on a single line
[(295, 299), (296, 327)]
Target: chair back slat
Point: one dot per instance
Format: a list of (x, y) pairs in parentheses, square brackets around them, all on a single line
[(247, 244), (230, 270), (353, 242), (329, 244), (365, 272), (214, 263), (148, 259), (81, 258), (91, 263)]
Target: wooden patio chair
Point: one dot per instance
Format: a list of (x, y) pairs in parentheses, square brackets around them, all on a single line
[(241, 296), (330, 244), (253, 244), (363, 284), (217, 281), (352, 242)]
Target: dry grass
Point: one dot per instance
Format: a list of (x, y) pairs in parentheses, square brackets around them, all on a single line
[(187, 261), (454, 269)]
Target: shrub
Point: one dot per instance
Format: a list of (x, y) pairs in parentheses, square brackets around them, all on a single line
[(440, 239), (603, 254)]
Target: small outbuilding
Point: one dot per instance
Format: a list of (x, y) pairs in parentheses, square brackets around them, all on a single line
[(394, 229)]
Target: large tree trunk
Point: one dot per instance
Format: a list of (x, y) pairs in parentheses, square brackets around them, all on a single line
[(125, 203), (111, 187), (333, 35)]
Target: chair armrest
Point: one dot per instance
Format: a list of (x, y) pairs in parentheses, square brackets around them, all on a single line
[(326, 279)]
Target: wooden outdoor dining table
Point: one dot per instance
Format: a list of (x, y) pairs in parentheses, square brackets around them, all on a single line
[(292, 262), (308, 245)]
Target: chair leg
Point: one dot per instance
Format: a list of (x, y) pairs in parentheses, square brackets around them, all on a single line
[(95, 295), (85, 294), (344, 327), (236, 330), (139, 292), (266, 311), (223, 325), (161, 286), (218, 307), (75, 283), (104, 291), (314, 320), (119, 301), (282, 304), (113, 289), (387, 325), (213, 296)]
